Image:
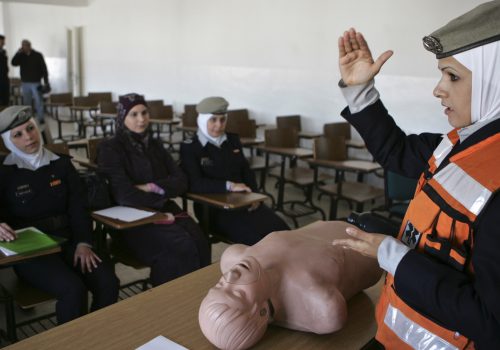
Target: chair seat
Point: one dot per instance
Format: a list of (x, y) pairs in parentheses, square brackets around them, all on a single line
[(355, 191), (120, 253), (300, 176), (258, 163), (25, 296)]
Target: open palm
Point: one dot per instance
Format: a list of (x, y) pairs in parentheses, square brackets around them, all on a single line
[(355, 59)]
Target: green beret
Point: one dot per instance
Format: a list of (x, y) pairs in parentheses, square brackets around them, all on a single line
[(212, 105), (477, 27), (14, 116)]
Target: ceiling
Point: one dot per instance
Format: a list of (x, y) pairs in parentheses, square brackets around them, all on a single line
[(73, 3)]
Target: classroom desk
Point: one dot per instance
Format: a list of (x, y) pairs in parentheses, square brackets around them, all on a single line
[(232, 200), (355, 144), (360, 167), (84, 162), (77, 114), (250, 142), (226, 201), (171, 310), (292, 153), (160, 122), (186, 130), (121, 225), (6, 260), (309, 135), (54, 113)]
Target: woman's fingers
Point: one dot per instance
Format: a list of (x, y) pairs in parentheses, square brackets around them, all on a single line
[(381, 60), (347, 42), (342, 51), (7, 233), (353, 39)]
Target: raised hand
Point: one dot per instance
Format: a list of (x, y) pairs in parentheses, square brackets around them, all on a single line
[(355, 59)]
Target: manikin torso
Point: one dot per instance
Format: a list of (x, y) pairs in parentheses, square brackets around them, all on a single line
[(312, 279)]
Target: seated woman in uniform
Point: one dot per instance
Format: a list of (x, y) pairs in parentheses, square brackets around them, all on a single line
[(143, 174), (215, 163), (41, 189)]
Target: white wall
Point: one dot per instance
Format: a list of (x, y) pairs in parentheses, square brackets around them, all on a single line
[(274, 57)]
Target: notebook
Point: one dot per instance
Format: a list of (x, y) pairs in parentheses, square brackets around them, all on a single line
[(29, 240)]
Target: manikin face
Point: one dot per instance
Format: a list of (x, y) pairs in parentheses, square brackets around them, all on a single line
[(245, 286), (455, 90), (216, 125), (26, 137), (137, 119)]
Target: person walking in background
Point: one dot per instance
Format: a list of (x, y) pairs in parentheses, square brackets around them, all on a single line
[(33, 69), (4, 74)]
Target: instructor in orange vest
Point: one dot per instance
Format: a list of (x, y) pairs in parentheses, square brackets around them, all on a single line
[(442, 288)]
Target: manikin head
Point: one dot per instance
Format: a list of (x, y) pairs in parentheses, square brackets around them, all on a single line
[(236, 311)]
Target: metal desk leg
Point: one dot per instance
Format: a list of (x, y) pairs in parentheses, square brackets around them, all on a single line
[(281, 187)]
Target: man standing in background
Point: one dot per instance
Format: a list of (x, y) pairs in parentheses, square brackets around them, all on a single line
[(4, 74), (33, 69)]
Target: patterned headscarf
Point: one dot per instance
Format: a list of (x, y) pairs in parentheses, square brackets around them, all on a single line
[(125, 104)]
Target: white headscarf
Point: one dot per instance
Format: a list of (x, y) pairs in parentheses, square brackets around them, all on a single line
[(23, 160), (203, 134), (484, 63)]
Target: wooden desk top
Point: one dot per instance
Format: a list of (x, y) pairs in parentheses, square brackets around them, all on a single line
[(364, 166), (84, 108), (187, 128), (171, 310), (120, 225), (233, 200), (4, 260), (290, 152), (309, 135), (246, 141), (164, 121), (106, 115), (355, 144), (59, 104), (85, 162)]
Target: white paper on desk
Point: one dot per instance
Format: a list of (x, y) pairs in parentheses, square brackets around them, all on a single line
[(161, 343), (7, 252), (124, 213)]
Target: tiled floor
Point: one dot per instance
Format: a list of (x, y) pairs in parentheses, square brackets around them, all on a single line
[(128, 274)]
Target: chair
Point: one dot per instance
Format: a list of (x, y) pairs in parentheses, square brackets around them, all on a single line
[(154, 103), (399, 190), (340, 129), (244, 128), (98, 97), (107, 107), (83, 104), (334, 149), (14, 291), (235, 117), (289, 121), (57, 101), (61, 148), (303, 178)]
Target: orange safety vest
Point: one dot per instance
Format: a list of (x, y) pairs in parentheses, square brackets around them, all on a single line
[(439, 222)]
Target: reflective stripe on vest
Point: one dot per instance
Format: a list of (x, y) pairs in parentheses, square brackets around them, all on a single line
[(412, 333), (464, 188)]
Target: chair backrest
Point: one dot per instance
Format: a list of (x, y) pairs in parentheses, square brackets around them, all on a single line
[(92, 148), (108, 107), (289, 121), (3, 149), (61, 148), (98, 97), (238, 114), (337, 129), (66, 97), (190, 118), (46, 134), (161, 112), (283, 138), (85, 101), (245, 128), (330, 148), (399, 187), (154, 103)]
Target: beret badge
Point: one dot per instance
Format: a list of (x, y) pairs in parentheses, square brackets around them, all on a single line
[(432, 44)]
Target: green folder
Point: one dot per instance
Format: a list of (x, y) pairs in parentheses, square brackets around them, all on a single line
[(30, 240)]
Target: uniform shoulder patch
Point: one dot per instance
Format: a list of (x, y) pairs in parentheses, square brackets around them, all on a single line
[(188, 141)]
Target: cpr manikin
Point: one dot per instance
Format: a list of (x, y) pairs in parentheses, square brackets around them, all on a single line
[(294, 279)]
